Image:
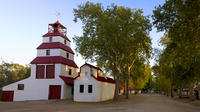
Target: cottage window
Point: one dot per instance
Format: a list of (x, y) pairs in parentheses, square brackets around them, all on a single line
[(50, 71), (89, 88), (50, 39), (67, 55), (86, 73), (40, 72), (20, 87), (70, 71), (81, 88), (47, 52)]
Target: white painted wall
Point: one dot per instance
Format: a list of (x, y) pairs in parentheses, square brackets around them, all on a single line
[(105, 91), (65, 71), (37, 89), (45, 39), (67, 92), (94, 72), (56, 39), (54, 52), (64, 54), (85, 96), (85, 69)]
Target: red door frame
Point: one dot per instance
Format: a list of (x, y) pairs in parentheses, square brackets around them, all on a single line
[(54, 91), (7, 96)]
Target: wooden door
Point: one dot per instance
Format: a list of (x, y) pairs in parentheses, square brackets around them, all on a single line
[(7, 95), (54, 91)]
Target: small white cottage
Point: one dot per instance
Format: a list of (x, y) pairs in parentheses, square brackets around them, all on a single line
[(92, 85), (52, 72)]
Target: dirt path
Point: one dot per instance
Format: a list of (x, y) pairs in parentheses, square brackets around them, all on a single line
[(137, 103)]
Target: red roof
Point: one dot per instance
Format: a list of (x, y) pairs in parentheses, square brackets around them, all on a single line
[(102, 79), (92, 66), (69, 80), (54, 59), (121, 86), (131, 87), (54, 45), (57, 22), (56, 34)]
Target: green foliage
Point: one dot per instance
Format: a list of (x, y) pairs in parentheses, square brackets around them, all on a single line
[(140, 74), (114, 37), (180, 60), (11, 72)]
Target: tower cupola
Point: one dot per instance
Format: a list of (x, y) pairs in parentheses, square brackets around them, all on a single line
[(57, 28)]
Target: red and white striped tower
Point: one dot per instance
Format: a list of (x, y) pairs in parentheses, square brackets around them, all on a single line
[(55, 47), (55, 61)]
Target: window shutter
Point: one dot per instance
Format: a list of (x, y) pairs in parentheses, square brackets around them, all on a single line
[(40, 72), (50, 71)]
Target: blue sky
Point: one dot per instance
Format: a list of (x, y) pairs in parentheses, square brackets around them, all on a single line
[(23, 22)]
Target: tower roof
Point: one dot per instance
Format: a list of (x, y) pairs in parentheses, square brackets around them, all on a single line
[(57, 23), (49, 34), (54, 59), (55, 45)]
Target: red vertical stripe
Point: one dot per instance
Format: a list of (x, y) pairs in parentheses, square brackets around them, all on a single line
[(50, 71), (40, 72)]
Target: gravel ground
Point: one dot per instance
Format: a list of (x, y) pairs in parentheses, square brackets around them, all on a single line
[(136, 103)]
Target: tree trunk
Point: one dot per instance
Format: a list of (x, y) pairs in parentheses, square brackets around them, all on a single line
[(127, 84), (180, 91), (192, 95), (127, 89), (116, 86), (172, 91), (167, 92)]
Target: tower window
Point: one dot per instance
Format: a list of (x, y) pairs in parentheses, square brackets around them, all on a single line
[(47, 52), (67, 55), (50, 39), (81, 88), (70, 71), (65, 41), (89, 88)]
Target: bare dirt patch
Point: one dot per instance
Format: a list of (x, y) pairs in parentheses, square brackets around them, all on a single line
[(136, 103)]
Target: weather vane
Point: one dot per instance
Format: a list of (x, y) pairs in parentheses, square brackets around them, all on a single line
[(58, 15)]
